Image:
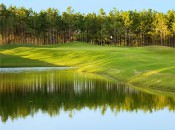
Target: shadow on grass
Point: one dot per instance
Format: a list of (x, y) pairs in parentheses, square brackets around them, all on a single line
[(12, 46), (17, 61)]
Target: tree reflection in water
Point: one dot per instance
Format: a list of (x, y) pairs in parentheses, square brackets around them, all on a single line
[(25, 93)]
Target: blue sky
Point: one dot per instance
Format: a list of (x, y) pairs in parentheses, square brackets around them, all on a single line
[(85, 6)]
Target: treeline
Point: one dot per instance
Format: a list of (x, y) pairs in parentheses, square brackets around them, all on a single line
[(122, 28)]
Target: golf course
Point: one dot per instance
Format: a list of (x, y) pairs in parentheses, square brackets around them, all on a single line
[(145, 67)]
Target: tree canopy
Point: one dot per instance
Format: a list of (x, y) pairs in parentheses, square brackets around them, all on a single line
[(122, 28)]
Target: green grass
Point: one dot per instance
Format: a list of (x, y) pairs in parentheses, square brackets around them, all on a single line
[(149, 67)]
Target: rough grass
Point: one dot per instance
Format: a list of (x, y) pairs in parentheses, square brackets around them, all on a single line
[(152, 67)]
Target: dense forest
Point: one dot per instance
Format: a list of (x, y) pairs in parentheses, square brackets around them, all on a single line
[(122, 28)]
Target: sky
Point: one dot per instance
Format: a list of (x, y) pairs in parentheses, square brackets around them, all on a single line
[(89, 6)]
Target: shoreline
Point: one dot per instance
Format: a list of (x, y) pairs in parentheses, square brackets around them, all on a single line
[(140, 88), (145, 67)]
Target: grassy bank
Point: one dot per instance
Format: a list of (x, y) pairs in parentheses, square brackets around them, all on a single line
[(152, 66)]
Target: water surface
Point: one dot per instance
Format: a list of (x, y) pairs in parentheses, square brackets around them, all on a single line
[(65, 99)]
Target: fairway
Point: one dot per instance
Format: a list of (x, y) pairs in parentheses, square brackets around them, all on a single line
[(147, 67)]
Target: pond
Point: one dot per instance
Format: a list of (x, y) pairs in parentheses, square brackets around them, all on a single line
[(60, 98)]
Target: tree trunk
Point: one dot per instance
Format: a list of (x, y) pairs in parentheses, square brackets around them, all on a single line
[(161, 39), (115, 36)]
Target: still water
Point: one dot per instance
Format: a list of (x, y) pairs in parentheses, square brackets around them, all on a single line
[(63, 99)]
